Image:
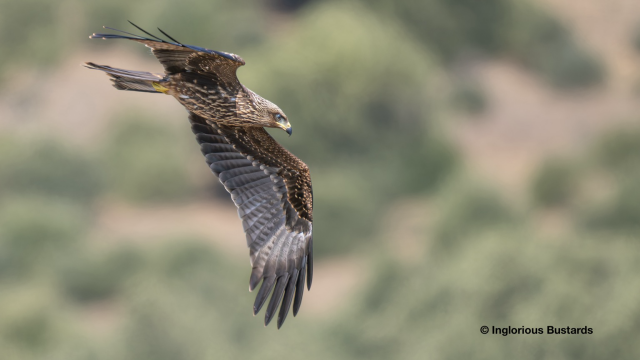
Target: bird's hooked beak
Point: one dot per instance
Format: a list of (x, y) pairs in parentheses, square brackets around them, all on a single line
[(286, 127)]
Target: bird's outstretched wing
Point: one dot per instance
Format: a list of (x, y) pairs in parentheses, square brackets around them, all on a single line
[(177, 57), (272, 190)]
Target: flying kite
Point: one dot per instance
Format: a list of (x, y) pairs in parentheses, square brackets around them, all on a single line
[(270, 186)]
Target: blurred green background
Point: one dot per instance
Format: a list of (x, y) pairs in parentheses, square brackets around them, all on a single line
[(474, 163)]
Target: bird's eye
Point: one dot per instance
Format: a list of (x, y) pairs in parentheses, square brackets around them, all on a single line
[(279, 118)]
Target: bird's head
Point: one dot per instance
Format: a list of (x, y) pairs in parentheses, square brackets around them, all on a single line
[(278, 119), (268, 113)]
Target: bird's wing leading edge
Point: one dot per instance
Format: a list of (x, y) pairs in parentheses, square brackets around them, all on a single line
[(177, 57), (261, 185)]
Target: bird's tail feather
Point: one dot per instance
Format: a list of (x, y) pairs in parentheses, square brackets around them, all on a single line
[(132, 80)]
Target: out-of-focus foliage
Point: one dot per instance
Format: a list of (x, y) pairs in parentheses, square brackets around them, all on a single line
[(619, 151), (95, 278), (618, 161), (47, 168), (39, 32), (144, 160), (541, 42), (555, 183), (434, 309), (512, 28), (602, 193), (454, 26), (34, 230), (469, 97), (466, 210), (620, 213)]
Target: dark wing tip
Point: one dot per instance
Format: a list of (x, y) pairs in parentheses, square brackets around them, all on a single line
[(131, 36), (169, 36), (145, 31), (254, 280), (287, 298), (276, 297), (310, 264), (299, 288), (263, 293)]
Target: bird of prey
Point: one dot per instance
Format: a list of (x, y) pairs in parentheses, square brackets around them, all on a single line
[(269, 185)]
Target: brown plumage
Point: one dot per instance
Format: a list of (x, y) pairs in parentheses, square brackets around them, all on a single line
[(269, 185)]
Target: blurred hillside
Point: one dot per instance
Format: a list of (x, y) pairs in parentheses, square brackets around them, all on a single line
[(474, 163)]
